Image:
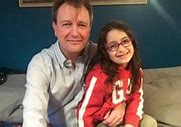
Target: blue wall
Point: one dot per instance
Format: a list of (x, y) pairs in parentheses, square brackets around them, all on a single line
[(157, 25)]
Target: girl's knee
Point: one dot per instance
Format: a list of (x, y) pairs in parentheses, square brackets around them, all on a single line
[(148, 121)]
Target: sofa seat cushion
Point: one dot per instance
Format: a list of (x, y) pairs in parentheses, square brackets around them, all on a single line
[(163, 99)]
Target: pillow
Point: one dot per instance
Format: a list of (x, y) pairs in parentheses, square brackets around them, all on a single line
[(163, 100)]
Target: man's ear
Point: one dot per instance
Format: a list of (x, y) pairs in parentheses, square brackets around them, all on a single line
[(54, 28)]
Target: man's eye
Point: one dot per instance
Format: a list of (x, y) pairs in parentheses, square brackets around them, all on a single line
[(82, 25), (66, 24)]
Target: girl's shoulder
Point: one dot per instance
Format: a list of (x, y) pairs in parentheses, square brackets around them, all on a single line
[(97, 72), (141, 72)]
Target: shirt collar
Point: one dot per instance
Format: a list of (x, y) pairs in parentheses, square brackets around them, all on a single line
[(61, 58)]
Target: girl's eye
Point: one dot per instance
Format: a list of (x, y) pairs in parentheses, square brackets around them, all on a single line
[(112, 45), (125, 41)]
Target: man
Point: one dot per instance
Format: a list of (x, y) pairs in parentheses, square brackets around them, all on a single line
[(54, 76)]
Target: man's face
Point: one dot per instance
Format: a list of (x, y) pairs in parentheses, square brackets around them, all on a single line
[(72, 29)]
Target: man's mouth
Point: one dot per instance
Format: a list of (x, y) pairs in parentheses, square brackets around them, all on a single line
[(74, 41)]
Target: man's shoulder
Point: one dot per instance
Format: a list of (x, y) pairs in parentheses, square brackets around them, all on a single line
[(93, 45), (46, 54), (92, 48)]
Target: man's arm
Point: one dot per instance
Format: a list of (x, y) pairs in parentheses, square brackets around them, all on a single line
[(36, 97)]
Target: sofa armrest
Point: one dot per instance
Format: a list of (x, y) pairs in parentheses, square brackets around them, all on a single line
[(11, 96)]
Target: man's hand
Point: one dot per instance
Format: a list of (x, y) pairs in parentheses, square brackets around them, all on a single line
[(114, 118)]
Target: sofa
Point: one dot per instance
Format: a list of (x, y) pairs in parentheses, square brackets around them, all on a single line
[(11, 96), (162, 90)]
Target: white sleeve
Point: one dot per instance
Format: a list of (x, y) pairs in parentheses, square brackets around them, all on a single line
[(36, 97)]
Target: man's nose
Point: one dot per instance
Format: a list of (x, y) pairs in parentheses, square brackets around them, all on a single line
[(74, 30)]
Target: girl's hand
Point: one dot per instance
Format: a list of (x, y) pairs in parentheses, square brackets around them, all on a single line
[(114, 118)]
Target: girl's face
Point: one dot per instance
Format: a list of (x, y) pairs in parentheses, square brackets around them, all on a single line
[(119, 47)]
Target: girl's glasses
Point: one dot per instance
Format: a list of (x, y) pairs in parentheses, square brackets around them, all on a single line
[(114, 45)]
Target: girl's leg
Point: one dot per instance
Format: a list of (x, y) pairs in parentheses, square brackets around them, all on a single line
[(148, 121), (102, 125)]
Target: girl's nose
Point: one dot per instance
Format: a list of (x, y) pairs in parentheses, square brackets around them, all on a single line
[(121, 47)]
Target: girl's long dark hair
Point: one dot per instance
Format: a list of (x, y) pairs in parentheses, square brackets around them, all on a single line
[(111, 68)]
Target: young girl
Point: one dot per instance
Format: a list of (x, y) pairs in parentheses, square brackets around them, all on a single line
[(114, 79)]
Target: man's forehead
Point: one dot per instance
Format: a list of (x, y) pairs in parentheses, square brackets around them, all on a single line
[(70, 12), (68, 7)]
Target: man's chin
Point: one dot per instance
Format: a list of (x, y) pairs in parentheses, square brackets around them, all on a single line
[(76, 51), (76, 48)]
